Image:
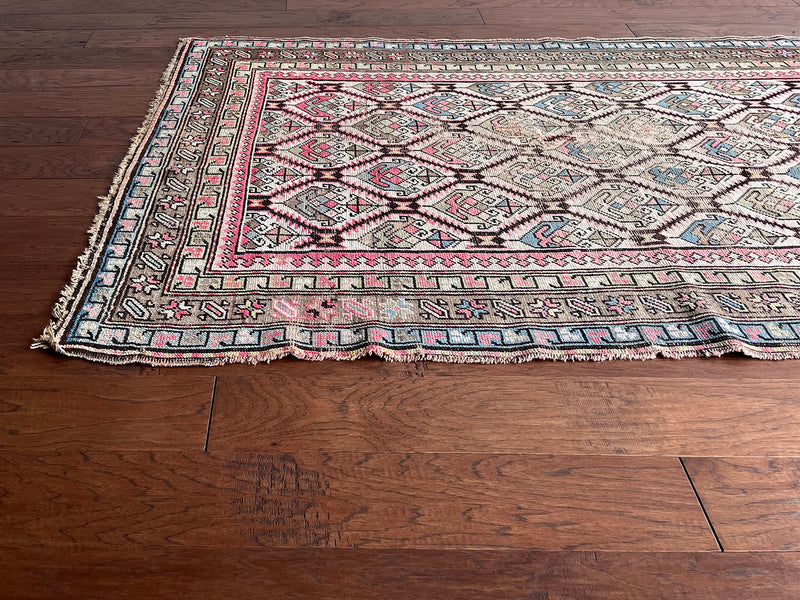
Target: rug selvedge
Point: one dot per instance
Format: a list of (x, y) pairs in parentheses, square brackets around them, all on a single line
[(484, 201)]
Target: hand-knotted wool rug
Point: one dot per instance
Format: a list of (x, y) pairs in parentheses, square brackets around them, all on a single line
[(465, 201)]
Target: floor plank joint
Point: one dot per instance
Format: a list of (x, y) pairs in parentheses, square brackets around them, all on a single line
[(703, 508)]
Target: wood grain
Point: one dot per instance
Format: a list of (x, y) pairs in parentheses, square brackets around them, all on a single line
[(53, 198), (18, 362), (53, 162), (52, 412), (121, 101), (754, 503), (136, 6), (97, 572), (694, 26), (23, 239), (195, 19), (27, 80), (720, 15), (581, 410), (729, 366), (530, 5), (110, 131), (350, 500), (123, 60), (45, 39), (168, 38), (46, 131), (26, 301)]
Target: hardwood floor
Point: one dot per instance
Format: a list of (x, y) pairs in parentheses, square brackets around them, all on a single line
[(541, 481)]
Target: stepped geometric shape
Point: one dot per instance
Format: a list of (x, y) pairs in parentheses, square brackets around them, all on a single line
[(628, 205), (407, 232), (620, 90), (396, 177), (540, 177), (477, 207), (503, 90), (268, 176), (389, 90), (461, 150), (727, 148), (327, 150), (261, 232), (450, 106), (684, 176), (596, 149), (389, 127), (721, 229), (325, 107), (745, 89), (694, 105), (563, 231), (772, 201), (772, 124), (790, 100), (275, 127), (327, 205), (517, 127), (571, 106), (647, 126)]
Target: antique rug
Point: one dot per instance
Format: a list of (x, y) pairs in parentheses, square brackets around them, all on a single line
[(463, 201)]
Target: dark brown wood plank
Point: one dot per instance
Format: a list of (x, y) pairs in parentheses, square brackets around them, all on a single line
[(48, 131), (66, 238), (121, 101), (110, 131), (169, 37), (692, 25), (53, 198), (753, 503), (126, 61), (54, 162), (350, 500), (98, 572), (35, 80), (27, 302), (18, 362), (195, 19), (136, 6), (45, 39), (85, 413), (642, 13), (729, 366), (577, 409), (528, 4)]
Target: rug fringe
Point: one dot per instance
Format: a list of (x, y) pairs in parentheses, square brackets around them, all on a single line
[(417, 354), (97, 233)]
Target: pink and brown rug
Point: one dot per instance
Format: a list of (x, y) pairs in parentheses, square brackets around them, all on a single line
[(464, 201)]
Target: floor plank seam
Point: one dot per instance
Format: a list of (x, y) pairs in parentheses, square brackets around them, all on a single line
[(83, 130), (210, 413), (702, 507)]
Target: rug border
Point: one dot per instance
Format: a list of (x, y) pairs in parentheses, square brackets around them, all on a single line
[(98, 233), (101, 228)]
